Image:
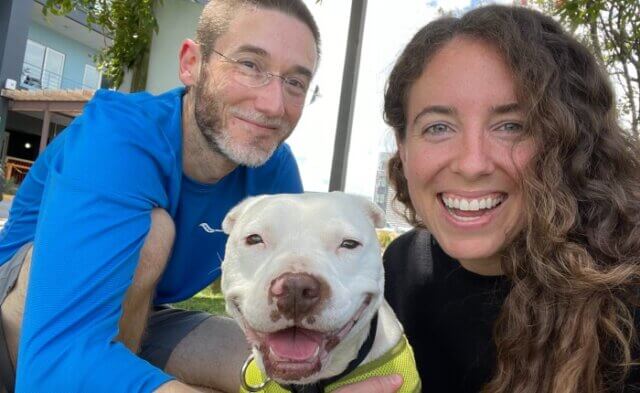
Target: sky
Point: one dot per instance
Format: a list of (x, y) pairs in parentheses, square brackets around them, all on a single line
[(389, 26)]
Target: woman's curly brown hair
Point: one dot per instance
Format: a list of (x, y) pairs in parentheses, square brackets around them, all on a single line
[(568, 322)]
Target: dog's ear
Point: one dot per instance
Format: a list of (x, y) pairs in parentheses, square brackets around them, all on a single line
[(375, 213), (237, 211)]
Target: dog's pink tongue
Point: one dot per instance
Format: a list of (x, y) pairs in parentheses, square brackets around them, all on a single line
[(294, 343)]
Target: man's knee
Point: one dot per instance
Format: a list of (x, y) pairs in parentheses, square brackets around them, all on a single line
[(12, 308), (156, 248)]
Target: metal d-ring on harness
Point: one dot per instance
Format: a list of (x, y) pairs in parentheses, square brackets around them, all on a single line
[(243, 378), (318, 387)]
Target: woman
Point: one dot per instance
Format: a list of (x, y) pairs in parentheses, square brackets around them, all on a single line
[(510, 155)]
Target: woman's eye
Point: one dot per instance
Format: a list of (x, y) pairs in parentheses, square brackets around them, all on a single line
[(510, 127), (436, 129), (253, 239), (350, 244)]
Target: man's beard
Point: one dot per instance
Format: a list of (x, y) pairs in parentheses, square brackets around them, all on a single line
[(208, 117)]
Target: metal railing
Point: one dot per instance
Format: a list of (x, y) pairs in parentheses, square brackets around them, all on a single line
[(16, 169), (33, 77)]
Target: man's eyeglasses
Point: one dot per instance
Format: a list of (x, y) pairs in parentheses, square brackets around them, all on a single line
[(248, 73)]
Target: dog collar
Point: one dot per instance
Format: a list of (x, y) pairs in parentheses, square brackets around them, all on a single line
[(398, 359)]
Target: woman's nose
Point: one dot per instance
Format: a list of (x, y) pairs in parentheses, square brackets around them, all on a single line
[(473, 155)]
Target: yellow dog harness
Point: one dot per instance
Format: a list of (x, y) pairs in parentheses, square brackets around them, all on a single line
[(398, 360)]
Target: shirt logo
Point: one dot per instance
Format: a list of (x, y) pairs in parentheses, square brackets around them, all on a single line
[(208, 229)]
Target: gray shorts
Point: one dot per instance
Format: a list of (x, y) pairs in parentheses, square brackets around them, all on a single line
[(166, 326)]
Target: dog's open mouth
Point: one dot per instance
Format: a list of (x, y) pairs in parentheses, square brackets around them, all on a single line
[(295, 353)]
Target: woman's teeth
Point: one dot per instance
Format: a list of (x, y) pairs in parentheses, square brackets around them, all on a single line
[(465, 204)]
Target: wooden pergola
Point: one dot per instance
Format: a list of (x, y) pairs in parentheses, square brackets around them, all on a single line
[(66, 102)]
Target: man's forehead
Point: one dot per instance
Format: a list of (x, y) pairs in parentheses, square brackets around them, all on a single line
[(282, 39)]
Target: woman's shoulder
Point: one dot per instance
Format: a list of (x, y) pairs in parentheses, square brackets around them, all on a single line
[(417, 240), (409, 256)]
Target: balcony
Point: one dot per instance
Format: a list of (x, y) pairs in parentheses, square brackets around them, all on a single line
[(34, 77)]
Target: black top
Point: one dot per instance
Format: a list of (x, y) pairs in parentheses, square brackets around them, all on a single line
[(448, 313)]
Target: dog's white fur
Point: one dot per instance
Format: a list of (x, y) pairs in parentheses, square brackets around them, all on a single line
[(302, 233)]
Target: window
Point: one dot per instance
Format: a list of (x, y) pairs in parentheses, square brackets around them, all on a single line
[(32, 66), (53, 66), (42, 67), (92, 78)]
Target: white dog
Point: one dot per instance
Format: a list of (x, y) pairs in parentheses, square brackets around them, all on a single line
[(303, 277)]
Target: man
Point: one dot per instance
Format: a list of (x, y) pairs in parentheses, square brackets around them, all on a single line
[(138, 186)]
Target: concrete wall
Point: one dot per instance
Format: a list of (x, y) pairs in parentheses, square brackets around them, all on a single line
[(76, 54), (177, 20)]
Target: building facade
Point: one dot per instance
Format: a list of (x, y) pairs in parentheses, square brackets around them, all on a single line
[(44, 61), (383, 196)]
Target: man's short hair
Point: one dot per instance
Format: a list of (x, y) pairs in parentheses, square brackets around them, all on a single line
[(218, 14)]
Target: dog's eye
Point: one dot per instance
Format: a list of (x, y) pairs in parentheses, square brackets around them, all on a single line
[(350, 244), (253, 239)]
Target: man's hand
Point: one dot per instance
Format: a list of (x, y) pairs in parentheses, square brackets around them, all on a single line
[(384, 384)]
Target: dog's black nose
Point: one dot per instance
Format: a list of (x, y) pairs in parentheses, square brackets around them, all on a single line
[(296, 295)]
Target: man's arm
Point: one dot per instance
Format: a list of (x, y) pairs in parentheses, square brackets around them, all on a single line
[(177, 387), (93, 220)]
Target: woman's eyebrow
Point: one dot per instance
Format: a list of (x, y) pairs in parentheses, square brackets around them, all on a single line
[(507, 108), (437, 109)]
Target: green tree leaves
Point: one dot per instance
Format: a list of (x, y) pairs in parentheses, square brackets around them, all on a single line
[(611, 28), (130, 24)]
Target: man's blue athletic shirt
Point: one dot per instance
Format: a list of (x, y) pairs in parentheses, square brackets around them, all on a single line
[(86, 204)]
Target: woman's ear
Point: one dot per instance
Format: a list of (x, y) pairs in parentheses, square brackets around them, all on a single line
[(189, 59)]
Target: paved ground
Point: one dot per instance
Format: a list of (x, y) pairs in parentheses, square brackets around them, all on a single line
[(4, 210)]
